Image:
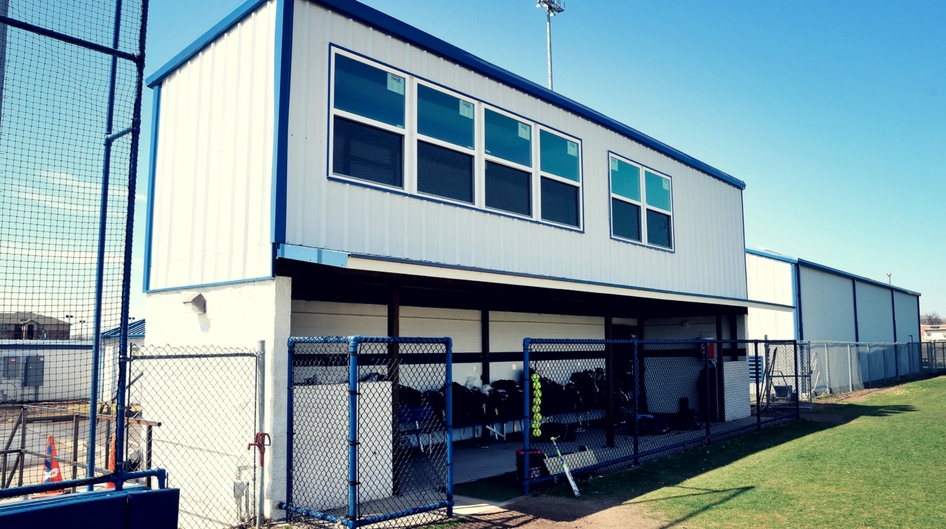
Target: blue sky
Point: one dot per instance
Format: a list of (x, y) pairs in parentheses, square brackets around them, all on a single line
[(832, 112)]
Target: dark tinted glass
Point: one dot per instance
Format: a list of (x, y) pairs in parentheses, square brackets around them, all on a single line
[(658, 229), (508, 138), (559, 202), (367, 153), (444, 117), (559, 156), (444, 172), (626, 219), (369, 91), (508, 189)]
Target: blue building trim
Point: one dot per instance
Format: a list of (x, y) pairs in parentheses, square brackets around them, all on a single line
[(283, 62), (152, 167), (217, 284), (796, 297), (312, 255), (893, 308), (205, 40), (857, 328)]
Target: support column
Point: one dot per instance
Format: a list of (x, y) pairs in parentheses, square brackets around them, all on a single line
[(394, 363), (609, 381)]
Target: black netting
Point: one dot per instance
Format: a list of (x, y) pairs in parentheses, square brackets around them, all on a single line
[(399, 437), (69, 114)]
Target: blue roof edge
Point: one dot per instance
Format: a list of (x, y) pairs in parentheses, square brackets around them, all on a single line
[(422, 39)]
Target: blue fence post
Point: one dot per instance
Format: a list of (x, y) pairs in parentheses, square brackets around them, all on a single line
[(797, 388), (706, 389), (352, 429), (526, 423), (289, 434), (635, 406), (449, 406)]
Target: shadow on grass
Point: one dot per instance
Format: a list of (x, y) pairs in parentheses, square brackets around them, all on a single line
[(558, 503)]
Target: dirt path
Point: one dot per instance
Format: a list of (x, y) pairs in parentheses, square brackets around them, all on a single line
[(546, 512)]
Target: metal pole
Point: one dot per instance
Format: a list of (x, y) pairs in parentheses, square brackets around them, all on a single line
[(289, 429), (353, 428), (850, 371), (548, 39), (449, 406), (758, 395), (261, 399), (100, 265), (634, 371), (526, 418), (827, 367), (706, 389)]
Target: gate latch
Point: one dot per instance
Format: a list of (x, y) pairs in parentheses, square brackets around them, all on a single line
[(261, 441)]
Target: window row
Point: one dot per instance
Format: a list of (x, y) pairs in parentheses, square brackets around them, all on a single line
[(399, 132)]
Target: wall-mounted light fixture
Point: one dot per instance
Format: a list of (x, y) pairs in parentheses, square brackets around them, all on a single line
[(197, 303)]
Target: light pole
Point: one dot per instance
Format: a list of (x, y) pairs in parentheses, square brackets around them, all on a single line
[(552, 8), (69, 321), (81, 325)]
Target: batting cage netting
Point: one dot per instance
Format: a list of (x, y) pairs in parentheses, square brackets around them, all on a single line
[(70, 105)]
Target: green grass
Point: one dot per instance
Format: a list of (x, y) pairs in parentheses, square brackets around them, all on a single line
[(883, 466)]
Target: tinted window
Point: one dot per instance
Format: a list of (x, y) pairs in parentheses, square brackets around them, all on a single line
[(559, 202), (658, 191), (444, 172), (559, 156), (369, 91), (444, 117), (625, 179), (626, 219), (368, 153), (508, 138), (658, 229), (508, 189)]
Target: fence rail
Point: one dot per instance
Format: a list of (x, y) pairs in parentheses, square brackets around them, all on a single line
[(843, 367)]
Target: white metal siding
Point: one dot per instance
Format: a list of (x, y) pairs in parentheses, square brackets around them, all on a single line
[(827, 306), (214, 161), (774, 324), (680, 328), (874, 313), (908, 317), (769, 280), (322, 318), (707, 222)]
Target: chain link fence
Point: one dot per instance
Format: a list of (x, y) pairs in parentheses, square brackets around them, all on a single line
[(842, 367), (933, 357), (610, 404), (196, 409), (370, 427)]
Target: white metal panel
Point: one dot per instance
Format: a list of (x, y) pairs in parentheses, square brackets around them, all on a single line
[(774, 324), (874, 313), (908, 317), (827, 306), (680, 328), (769, 280), (708, 227), (214, 161), (324, 318), (508, 329), (462, 326)]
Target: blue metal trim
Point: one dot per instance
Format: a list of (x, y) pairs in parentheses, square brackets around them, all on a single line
[(566, 280), (217, 284), (857, 334), (312, 255), (771, 255), (368, 520), (893, 308), (45, 347), (395, 191), (114, 52), (152, 172), (849, 275), (283, 61), (800, 329), (205, 40), (38, 488), (318, 515), (423, 40), (796, 298)]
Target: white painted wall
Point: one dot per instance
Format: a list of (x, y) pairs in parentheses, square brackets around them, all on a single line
[(214, 161), (708, 226), (67, 375), (507, 330), (769, 279), (874, 313), (237, 315)]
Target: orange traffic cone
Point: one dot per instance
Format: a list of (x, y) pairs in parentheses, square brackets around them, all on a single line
[(111, 461), (51, 472)]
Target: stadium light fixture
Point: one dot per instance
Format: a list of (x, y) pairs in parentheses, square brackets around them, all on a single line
[(552, 8)]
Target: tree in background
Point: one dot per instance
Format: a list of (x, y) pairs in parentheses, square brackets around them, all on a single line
[(931, 318)]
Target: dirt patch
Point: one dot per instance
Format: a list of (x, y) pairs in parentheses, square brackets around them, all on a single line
[(547, 512)]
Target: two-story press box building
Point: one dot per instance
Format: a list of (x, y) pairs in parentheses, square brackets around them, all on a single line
[(320, 168)]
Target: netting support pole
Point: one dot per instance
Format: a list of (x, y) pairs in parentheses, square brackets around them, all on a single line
[(260, 420), (609, 381), (526, 418), (708, 407), (449, 407), (289, 435), (353, 428), (100, 265), (797, 389), (634, 372)]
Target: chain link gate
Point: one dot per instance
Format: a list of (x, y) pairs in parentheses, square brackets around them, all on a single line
[(370, 429), (786, 382), (205, 403)]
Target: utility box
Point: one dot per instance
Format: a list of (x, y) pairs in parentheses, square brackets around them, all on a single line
[(12, 367), (35, 371)]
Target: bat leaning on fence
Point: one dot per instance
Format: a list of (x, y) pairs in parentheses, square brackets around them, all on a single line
[(568, 473)]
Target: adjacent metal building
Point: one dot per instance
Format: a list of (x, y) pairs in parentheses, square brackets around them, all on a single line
[(829, 304)]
